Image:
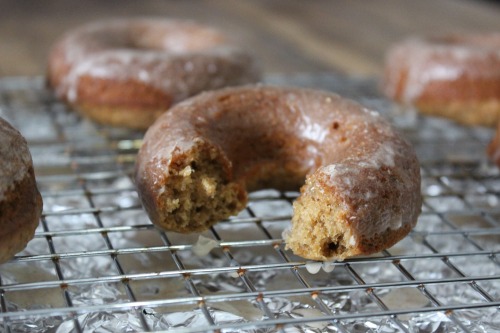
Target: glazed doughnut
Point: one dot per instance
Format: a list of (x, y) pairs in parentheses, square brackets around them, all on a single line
[(455, 76), (20, 201), (362, 188), (126, 72)]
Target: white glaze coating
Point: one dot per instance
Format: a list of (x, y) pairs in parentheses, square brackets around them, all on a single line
[(350, 154), (349, 177), (441, 59), (157, 52), (15, 158), (313, 267)]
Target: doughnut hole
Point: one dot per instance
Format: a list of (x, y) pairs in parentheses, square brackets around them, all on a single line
[(199, 192)]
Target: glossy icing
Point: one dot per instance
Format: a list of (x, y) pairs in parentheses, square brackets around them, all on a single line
[(15, 157), (157, 52), (341, 147), (412, 65)]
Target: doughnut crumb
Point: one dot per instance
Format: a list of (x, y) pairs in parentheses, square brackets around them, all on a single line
[(197, 193), (319, 227)]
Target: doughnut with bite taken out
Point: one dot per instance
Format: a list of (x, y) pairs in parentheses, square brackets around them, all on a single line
[(362, 179)]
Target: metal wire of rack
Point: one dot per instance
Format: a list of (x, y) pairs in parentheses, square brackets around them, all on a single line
[(97, 264)]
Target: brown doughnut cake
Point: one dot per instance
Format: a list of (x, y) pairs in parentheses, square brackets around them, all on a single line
[(454, 76), (126, 72), (362, 179), (20, 201)]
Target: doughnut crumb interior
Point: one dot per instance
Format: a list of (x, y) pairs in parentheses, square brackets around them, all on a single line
[(362, 179), (198, 193)]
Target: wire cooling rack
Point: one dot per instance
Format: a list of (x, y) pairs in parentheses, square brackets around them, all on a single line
[(97, 264)]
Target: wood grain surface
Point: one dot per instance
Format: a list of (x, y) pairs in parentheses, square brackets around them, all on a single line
[(287, 36)]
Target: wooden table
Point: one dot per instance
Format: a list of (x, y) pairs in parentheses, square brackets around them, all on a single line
[(287, 36)]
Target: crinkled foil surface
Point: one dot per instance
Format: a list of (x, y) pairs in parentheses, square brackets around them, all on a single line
[(97, 264)]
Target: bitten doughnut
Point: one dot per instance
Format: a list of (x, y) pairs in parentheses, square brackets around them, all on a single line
[(455, 76), (20, 201), (126, 72), (362, 179)]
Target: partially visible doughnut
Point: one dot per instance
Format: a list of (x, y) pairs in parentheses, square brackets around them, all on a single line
[(362, 190), (454, 76), (126, 72), (20, 201)]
